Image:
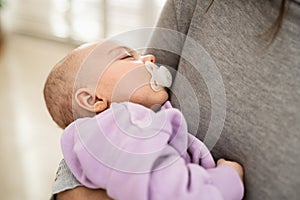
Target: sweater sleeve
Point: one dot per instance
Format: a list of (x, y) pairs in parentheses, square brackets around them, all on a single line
[(171, 29)]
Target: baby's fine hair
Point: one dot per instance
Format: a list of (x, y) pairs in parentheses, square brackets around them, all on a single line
[(58, 88)]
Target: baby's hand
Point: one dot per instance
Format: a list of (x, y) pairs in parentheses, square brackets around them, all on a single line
[(235, 165)]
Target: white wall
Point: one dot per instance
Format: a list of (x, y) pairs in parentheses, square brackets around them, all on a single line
[(79, 20)]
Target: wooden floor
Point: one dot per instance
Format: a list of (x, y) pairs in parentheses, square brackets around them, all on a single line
[(29, 140)]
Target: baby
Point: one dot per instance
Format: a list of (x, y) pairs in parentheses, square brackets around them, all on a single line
[(106, 96)]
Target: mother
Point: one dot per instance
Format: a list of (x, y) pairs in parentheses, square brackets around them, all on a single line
[(255, 46)]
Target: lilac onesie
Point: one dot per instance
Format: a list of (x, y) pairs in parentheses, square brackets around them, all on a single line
[(135, 153)]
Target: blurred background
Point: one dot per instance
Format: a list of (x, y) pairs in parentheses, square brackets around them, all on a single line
[(34, 35)]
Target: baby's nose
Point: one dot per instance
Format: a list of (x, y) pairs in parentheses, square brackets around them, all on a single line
[(150, 58)]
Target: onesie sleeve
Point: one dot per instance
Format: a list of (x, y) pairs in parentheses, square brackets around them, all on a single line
[(191, 181), (135, 153)]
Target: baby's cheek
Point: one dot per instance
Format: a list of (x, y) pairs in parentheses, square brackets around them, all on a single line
[(159, 97), (165, 96)]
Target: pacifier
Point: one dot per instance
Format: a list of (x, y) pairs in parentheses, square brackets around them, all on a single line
[(160, 76)]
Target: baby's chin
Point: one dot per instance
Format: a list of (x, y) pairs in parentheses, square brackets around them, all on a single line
[(148, 97), (160, 97)]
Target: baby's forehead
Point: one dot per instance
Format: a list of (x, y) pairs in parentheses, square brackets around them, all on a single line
[(97, 57), (104, 53)]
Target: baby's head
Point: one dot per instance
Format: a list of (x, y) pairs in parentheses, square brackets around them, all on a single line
[(93, 76)]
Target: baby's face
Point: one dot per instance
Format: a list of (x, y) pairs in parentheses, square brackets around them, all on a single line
[(124, 76)]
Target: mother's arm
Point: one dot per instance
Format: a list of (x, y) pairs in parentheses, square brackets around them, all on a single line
[(72, 189), (83, 193)]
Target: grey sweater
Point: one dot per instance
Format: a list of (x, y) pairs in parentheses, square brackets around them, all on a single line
[(259, 101)]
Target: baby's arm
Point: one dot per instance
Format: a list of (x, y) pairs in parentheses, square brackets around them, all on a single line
[(198, 182), (201, 155), (191, 181)]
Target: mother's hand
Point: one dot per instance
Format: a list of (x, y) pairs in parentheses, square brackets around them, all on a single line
[(83, 193)]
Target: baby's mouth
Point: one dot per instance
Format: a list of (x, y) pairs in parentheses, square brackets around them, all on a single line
[(160, 76)]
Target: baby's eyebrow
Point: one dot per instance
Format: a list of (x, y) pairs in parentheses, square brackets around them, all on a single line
[(120, 48)]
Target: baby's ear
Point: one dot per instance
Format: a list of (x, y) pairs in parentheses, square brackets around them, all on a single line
[(87, 100)]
